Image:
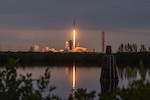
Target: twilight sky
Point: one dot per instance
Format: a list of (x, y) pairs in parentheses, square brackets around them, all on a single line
[(24, 23)]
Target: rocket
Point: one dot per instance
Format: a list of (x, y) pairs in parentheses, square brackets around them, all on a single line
[(74, 35)]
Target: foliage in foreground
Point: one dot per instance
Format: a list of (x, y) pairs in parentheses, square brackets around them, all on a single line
[(137, 89), (20, 87)]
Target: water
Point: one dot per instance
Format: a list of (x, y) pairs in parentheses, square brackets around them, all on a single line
[(66, 78)]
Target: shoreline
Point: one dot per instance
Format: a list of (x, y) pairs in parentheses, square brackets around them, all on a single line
[(86, 58)]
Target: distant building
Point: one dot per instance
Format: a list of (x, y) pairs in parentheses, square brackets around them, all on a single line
[(66, 45), (70, 44)]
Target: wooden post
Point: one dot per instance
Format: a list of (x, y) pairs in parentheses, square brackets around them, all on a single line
[(109, 71), (109, 78)]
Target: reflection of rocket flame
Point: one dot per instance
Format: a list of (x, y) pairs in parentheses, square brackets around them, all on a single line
[(74, 79), (74, 38)]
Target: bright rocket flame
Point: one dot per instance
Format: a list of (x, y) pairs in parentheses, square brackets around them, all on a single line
[(74, 38)]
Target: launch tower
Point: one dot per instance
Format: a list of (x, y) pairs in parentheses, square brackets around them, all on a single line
[(103, 41)]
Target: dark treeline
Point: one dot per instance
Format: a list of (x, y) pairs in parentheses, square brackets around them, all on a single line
[(130, 48), (131, 54), (127, 55), (49, 58), (38, 58), (133, 59)]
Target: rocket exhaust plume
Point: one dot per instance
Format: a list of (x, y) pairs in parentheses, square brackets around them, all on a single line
[(74, 36)]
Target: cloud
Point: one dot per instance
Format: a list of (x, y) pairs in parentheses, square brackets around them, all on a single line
[(56, 15)]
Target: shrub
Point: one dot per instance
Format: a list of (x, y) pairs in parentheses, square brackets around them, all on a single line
[(20, 87)]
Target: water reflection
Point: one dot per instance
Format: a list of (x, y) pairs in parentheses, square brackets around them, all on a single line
[(73, 77), (108, 85), (124, 73), (73, 80)]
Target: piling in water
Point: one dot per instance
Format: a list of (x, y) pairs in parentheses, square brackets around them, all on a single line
[(109, 72)]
